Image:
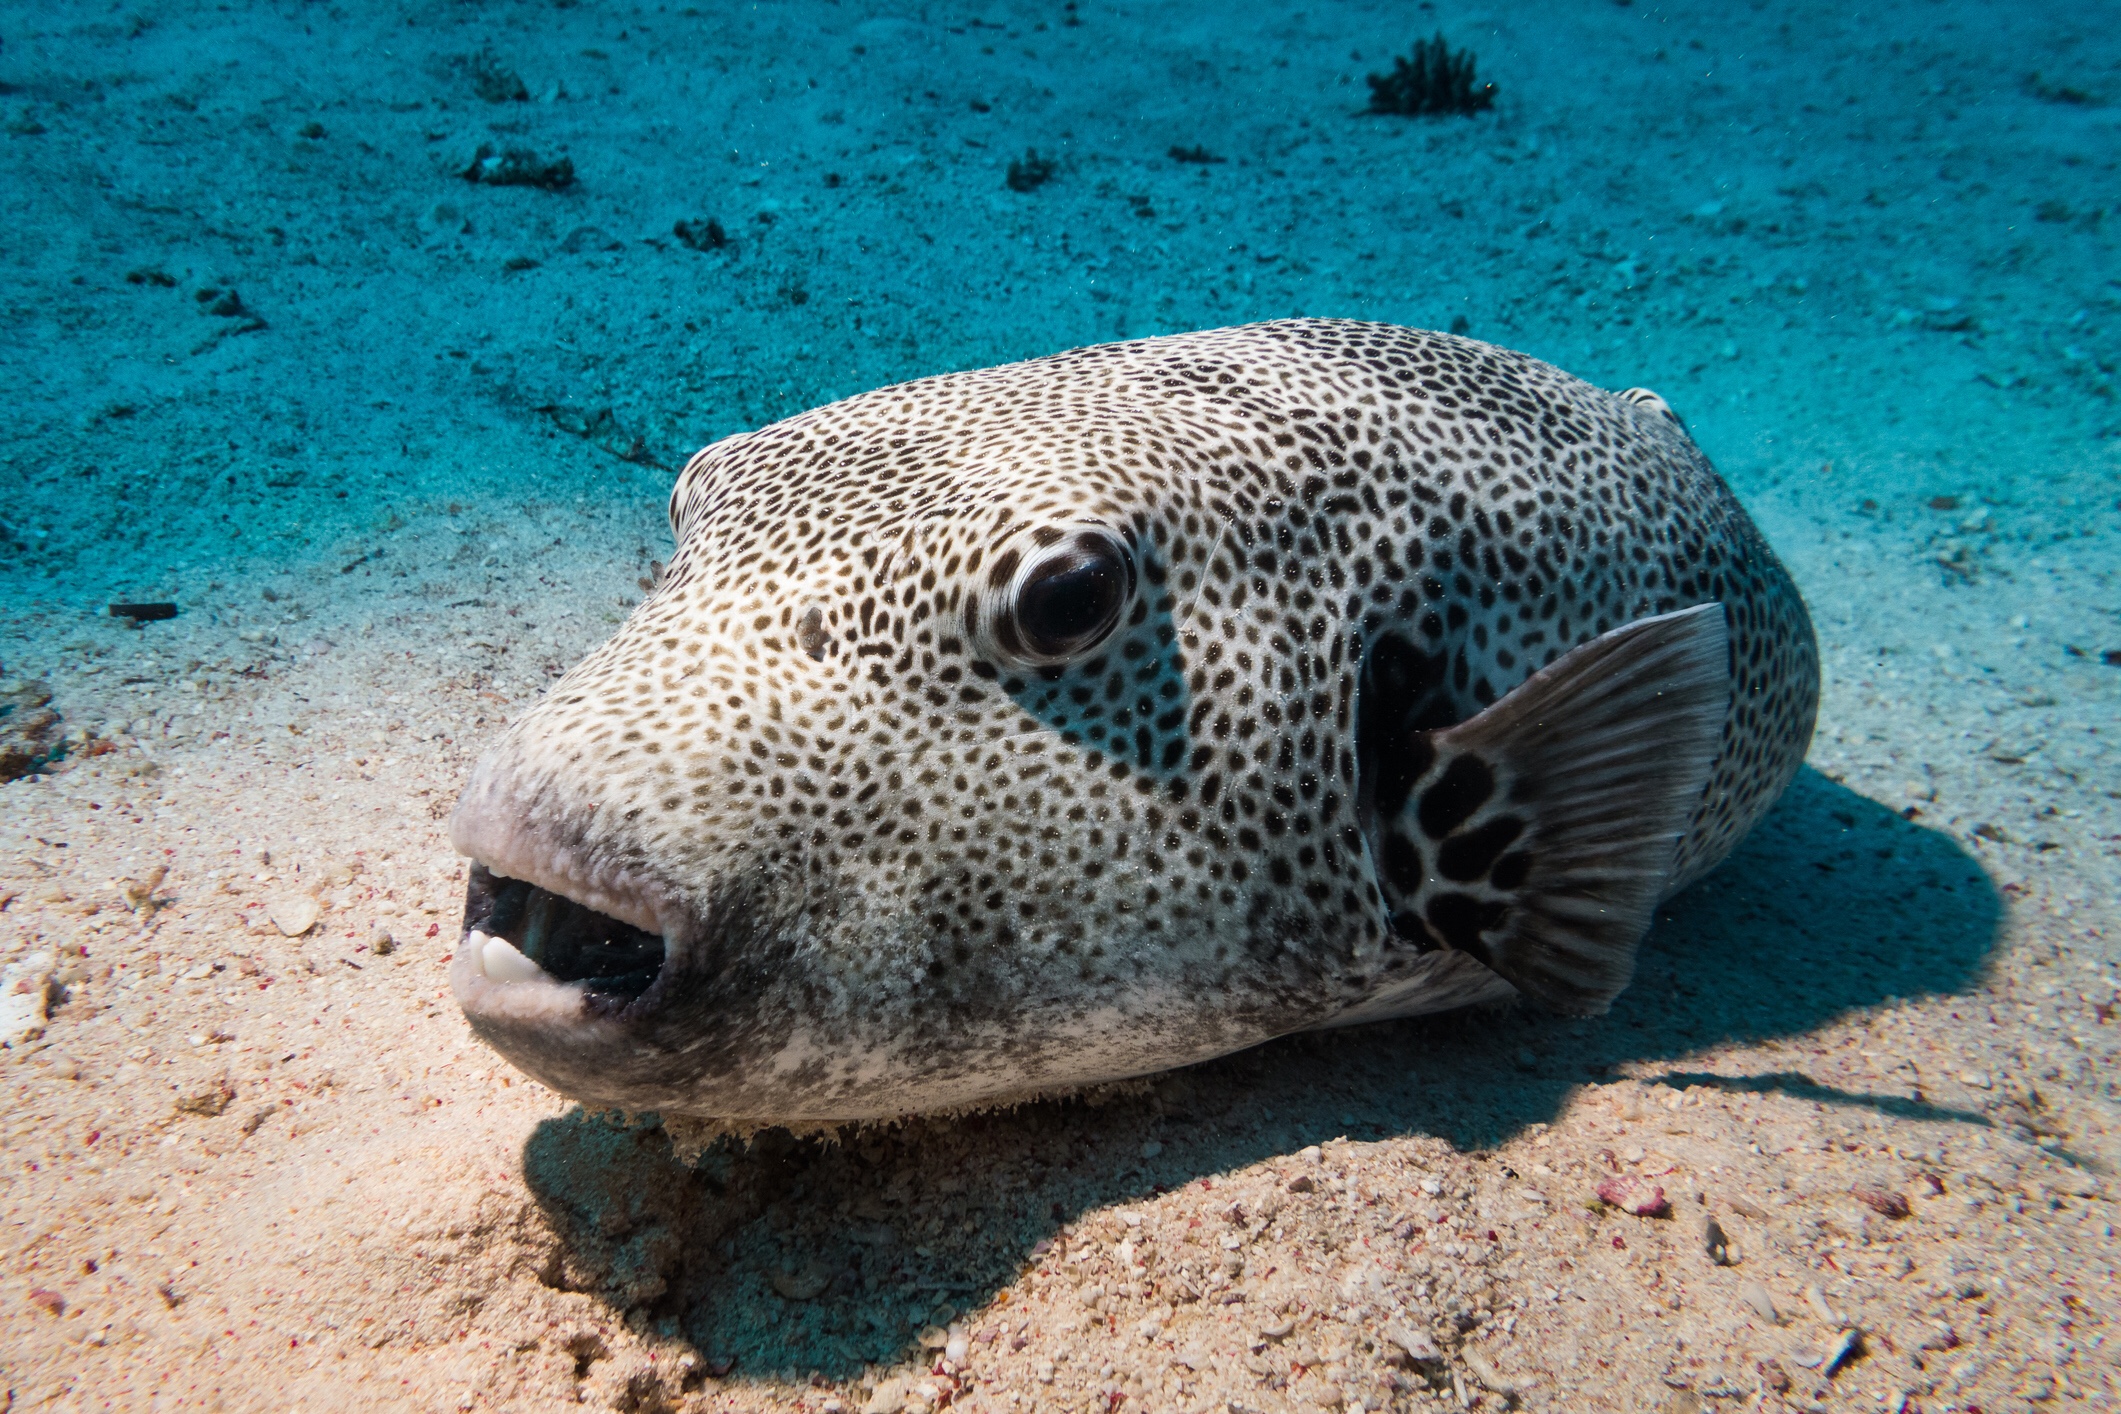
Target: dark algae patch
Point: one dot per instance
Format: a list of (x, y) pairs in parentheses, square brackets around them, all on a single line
[(1031, 171), (1434, 82), (701, 235)]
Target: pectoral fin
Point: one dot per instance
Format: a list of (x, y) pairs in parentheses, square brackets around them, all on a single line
[(1539, 835)]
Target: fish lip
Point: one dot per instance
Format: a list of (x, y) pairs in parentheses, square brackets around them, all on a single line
[(523, 835), (542, 1005)]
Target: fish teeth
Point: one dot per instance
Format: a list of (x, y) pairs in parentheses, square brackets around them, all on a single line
[(501, 962)]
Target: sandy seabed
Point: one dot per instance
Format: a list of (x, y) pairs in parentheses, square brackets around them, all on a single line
[(396, 442)]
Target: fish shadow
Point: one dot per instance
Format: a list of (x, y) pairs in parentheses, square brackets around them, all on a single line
[(785, 1258)]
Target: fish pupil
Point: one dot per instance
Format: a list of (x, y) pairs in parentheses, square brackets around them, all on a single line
[(1070, 602)]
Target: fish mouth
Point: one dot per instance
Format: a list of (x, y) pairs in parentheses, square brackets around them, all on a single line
[(520, 934)]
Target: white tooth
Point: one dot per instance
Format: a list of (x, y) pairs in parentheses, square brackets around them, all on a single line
[(502, 963), (475, 942)]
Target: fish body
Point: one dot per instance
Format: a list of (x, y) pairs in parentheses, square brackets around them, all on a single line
[(1018, 730)]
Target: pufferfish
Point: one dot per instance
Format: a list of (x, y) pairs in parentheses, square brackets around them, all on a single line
[(1014, 731)]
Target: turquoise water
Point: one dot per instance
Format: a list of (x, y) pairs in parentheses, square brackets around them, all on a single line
[(1879, 238)]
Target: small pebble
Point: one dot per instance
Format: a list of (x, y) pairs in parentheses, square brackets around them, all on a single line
[(1845, 1346), (889, 1397), (1417, 1344), (1718, 1245), (1756, 1296), (25, 996), (1637, 1196), (1490, 1378), (804, 1285), (1883, 1201), (293, 913)]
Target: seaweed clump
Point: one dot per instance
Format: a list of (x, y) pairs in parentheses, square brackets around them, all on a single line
[(1031, 172), (1434, 81), (702, 235)]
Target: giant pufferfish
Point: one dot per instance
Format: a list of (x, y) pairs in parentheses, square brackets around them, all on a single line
[(1009, 732)]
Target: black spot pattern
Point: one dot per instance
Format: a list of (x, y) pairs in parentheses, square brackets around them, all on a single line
[(1465, 786), (1458, 920), (1449, 869), (1474, 853)]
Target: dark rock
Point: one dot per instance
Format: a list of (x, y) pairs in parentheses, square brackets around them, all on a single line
[(518, 167)]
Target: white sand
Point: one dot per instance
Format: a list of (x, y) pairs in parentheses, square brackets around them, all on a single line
[(1870, 262)]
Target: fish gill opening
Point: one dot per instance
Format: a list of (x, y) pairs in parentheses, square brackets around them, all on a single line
[(1404, 695)]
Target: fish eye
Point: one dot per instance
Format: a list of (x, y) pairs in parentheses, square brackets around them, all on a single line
[(1069, 596)]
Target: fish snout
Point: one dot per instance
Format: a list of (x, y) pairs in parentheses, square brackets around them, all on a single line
[(567, 948)]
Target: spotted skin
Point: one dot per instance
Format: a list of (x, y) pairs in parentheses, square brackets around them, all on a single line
[(900, 867)]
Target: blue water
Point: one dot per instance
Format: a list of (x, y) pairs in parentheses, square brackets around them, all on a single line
[(1868, 237)]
